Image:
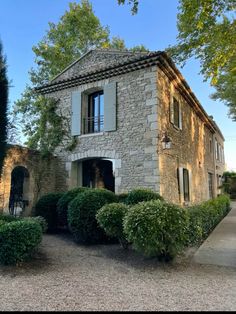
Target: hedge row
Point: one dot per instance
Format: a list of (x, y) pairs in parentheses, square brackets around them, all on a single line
[(140, 217), (157, 228), (205, 217)]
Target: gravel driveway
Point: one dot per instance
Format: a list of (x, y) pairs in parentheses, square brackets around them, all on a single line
[(65, 276)]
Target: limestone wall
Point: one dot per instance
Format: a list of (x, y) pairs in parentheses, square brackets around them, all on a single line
[(132, 146), (192, 147), (45, 176)]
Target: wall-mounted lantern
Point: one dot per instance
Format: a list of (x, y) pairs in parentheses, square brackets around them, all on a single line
[(166, 141)]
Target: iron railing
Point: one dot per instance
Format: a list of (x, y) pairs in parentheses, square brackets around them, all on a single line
[(93, 124)]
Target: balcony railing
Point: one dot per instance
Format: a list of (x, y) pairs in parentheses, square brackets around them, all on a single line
[(93, 124)]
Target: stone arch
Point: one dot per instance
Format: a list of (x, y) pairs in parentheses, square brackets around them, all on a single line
[(76, 176)]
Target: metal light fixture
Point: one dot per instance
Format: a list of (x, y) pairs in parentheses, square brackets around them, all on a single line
[(166, 141)]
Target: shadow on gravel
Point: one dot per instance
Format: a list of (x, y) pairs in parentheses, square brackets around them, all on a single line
[(37, 265)]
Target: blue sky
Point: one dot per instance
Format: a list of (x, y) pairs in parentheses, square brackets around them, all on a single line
[(23, 23)]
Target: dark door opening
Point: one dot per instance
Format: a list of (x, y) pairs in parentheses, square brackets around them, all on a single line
[(98, 173), (19, 189)]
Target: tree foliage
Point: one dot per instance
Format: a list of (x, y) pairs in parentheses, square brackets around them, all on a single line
[(134, 4), (77, 31), (3, 106), (207, 31)]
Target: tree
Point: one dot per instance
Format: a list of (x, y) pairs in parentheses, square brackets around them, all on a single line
[(207, 31), (77, 31), (3, 106), (134, 3)]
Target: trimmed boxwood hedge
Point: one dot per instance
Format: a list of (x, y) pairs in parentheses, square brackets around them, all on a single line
[(156, 228), (62, 205), (47, 208), (205, 216), (122, 197), (18, 240), (82, 212), (142, 195), (40, 220), (8, 218), (110, 217)]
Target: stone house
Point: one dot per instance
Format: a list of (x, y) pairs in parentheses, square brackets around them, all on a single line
[(137, 124)]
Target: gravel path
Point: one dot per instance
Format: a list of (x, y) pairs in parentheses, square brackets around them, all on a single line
[(65, 276)]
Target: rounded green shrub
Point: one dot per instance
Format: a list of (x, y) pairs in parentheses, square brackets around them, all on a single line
[(62, 205), (18, 240), (156, 228), (47, 208), (110, 217), (82, 212), (40, 220), (122, 197), (142, 195), (8, 218)]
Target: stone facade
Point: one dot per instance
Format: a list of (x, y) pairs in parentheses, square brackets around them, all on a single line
[(42, 176), (132, 146), (192, 147), (143, 96)]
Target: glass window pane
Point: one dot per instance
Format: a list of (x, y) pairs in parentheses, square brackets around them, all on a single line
[(96, 105), (102, 105)]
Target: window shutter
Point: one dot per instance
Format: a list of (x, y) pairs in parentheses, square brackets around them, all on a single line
[(181, 184), (172, 110), (190, 184), (110, 107), (180, 116), (76, 113)]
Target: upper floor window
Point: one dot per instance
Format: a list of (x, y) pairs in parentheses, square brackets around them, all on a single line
[(94, 120), (210, 146), (94, 111), (175, 113)]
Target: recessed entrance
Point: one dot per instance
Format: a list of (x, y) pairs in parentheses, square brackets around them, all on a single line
[(98, 173), (19, 190)]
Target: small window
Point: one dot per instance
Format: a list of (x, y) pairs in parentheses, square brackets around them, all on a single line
[(186, 185), (210, 184), (176, 109), (210, 146), (94, 121)]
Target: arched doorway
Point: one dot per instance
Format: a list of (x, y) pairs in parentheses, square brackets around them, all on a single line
[(98, 173), (19, 190)]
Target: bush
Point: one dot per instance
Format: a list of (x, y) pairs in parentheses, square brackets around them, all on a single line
[(122, 197), (142, 195), (62, 205), (8, 218), (47, 208), (41, 221), (110, 217), (205, 217), (18, 240), (156, 228), (82, 215)]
